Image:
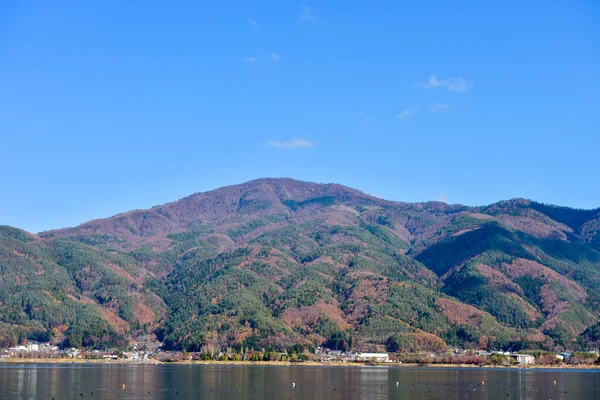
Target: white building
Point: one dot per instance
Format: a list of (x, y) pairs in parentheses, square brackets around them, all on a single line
[(523, 359), (379, 357), (33, 346)]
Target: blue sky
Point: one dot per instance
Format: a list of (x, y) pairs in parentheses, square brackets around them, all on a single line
[(107, 106)]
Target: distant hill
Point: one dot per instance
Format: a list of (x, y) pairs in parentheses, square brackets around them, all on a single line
[(276, 262)]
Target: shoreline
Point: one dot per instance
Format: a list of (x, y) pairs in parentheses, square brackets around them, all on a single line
[(290, 364)]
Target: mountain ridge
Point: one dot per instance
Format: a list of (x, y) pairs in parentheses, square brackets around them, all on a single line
[(518, 200)]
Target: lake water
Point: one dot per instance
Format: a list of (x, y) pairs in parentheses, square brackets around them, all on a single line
[(97, 381)]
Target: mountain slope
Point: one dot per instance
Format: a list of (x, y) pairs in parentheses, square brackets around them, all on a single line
[(276, 262)]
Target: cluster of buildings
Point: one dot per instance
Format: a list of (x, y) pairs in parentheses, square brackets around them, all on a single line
[(46, 350), (29, 349), (33, 346), (324, 355), (114, 355), (519, 359)]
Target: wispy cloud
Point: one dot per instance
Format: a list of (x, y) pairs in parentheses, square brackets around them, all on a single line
[(442, 197), (275, 57), (439, 107), (291, 144), (404, 114), (249, 59), (252, 22), (454, 84), (307, 15)]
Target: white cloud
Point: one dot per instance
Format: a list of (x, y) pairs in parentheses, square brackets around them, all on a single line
[(439, 107), (249, 59), (404, 114), (307, 15), (442, 197), (291, 144), (275, 57), (454, 84), (252, 22)]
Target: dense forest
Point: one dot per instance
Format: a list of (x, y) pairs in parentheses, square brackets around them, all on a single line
[(275, 263)]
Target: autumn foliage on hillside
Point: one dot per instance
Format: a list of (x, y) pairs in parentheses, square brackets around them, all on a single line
[(275, 263)]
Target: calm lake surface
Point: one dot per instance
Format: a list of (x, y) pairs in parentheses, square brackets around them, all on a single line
[(94, 381)]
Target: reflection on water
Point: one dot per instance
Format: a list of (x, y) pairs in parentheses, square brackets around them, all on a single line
[(93, 381)]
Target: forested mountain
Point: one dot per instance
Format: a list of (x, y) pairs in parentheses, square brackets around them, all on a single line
[(276, 262)]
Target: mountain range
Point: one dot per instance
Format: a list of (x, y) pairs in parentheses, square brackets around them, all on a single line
[(273, 263)]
